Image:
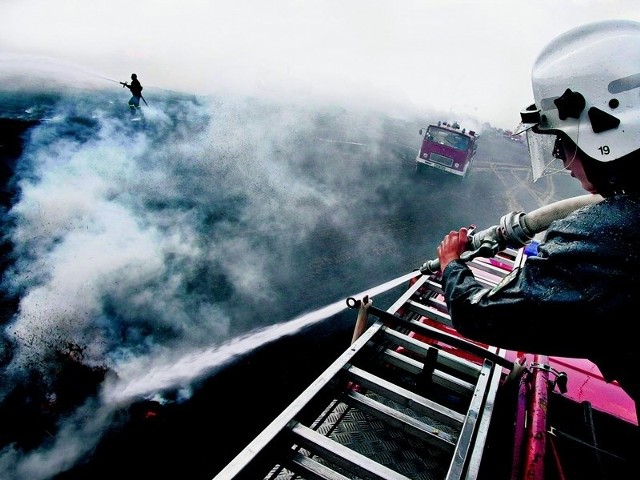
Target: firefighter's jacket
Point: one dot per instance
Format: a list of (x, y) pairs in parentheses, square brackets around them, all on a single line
[(578, 297)]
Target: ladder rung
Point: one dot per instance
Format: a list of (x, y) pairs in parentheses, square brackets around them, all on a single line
[(460, 342), (341, 455), (442, 336), (429, 312), (313, 470), (405, 397), (438, 302), (462, 365), (434, 286), (433, 435), (439, 377), (485, 266)]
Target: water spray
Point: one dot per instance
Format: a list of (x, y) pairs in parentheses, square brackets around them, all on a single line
[(137, 380)]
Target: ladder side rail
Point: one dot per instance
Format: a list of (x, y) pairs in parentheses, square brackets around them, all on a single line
[(407, 294), (468, 433), (475, 458)]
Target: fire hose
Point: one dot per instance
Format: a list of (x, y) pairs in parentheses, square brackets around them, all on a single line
[(516, 229)]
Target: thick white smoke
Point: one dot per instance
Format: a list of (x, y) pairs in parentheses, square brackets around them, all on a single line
[(173, 237)]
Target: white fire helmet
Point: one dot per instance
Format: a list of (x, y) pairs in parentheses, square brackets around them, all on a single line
[(586, 88)]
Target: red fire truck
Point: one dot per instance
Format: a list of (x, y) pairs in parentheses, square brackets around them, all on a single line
[(446, 148)]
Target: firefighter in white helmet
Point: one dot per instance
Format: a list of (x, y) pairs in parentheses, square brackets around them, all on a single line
[(579, 296)]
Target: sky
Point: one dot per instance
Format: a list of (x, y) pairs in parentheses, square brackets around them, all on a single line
[(402, 58)]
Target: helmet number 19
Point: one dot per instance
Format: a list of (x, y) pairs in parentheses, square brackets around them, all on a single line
[(604, 150)]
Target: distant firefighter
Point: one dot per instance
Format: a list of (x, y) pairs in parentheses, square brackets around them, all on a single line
[(136, 93)]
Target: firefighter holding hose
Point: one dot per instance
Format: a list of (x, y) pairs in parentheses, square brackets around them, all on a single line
[(136, 93), (578, 296)]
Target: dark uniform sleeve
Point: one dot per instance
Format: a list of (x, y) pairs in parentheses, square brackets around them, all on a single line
[(493, 316), (558, 302)]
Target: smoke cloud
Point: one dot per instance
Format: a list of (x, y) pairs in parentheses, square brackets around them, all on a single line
[(157, 248), (150, 251)]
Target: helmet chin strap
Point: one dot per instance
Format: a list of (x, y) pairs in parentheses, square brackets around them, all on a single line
[(575, 151), (573, 157), (565, 164)]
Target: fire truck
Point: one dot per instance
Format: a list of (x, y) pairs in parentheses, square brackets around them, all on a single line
[(446, 148)]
